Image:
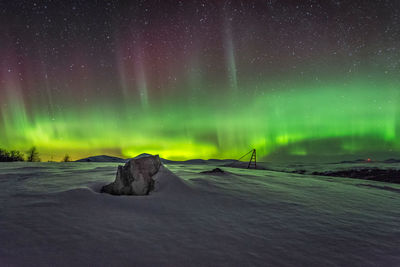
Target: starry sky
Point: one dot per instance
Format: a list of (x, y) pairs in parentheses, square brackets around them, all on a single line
[(201, 79)]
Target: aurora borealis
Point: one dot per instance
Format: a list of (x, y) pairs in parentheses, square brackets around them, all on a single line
[(201, 79)]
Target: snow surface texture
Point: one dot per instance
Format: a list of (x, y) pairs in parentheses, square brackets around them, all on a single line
[(52, 215)]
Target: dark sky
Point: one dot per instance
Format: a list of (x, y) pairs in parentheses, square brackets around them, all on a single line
[(202, 78)]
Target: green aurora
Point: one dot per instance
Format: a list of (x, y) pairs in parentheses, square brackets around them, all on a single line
[(353, 117), (187, 79)]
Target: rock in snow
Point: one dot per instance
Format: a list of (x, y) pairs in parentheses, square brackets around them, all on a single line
[(216, 171), (135, 177)]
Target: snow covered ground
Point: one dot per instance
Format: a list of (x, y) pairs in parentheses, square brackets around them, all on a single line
[(323, 167), (51, 214)]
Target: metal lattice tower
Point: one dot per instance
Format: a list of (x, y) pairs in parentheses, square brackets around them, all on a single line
[(253, 160)]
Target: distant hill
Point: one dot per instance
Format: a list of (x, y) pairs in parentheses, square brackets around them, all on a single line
[(370, 161), (354, 161), (105, 158), (142, 155), (242, 165), (391, 161), (222, 160), (102, 158), (200, 161)]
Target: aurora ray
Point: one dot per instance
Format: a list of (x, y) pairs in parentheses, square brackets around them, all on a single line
[(284, 79)]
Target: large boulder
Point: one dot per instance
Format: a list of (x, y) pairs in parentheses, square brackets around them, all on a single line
[(135, 177)]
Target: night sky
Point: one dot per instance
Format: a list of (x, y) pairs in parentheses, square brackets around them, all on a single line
[(201, 79)]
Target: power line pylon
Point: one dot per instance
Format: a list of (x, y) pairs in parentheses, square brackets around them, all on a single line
[(253, 160)]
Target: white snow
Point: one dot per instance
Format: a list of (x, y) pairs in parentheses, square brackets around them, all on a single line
[(51, 214)]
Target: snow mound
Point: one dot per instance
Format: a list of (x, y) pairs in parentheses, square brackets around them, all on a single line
[(261, 218), (166, 182)]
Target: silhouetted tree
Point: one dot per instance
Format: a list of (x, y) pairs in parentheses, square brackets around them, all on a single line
[(4, 155), (14, 155), (66, 158), (33, 155)]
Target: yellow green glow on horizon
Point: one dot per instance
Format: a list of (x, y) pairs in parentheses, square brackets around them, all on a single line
[(286, 119)]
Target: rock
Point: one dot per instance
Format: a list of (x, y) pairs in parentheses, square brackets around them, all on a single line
[(216, 170), (299, 171), (135, 177)]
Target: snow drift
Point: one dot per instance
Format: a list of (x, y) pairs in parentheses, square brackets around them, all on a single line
[(51, 216)]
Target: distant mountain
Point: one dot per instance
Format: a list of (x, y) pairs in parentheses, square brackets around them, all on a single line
[(370, 161), (354, 161), (102, 158), (375, 174), (242, 165), (142, 156), (200, 161), (391, 161), (222, 160), (105, 158)]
